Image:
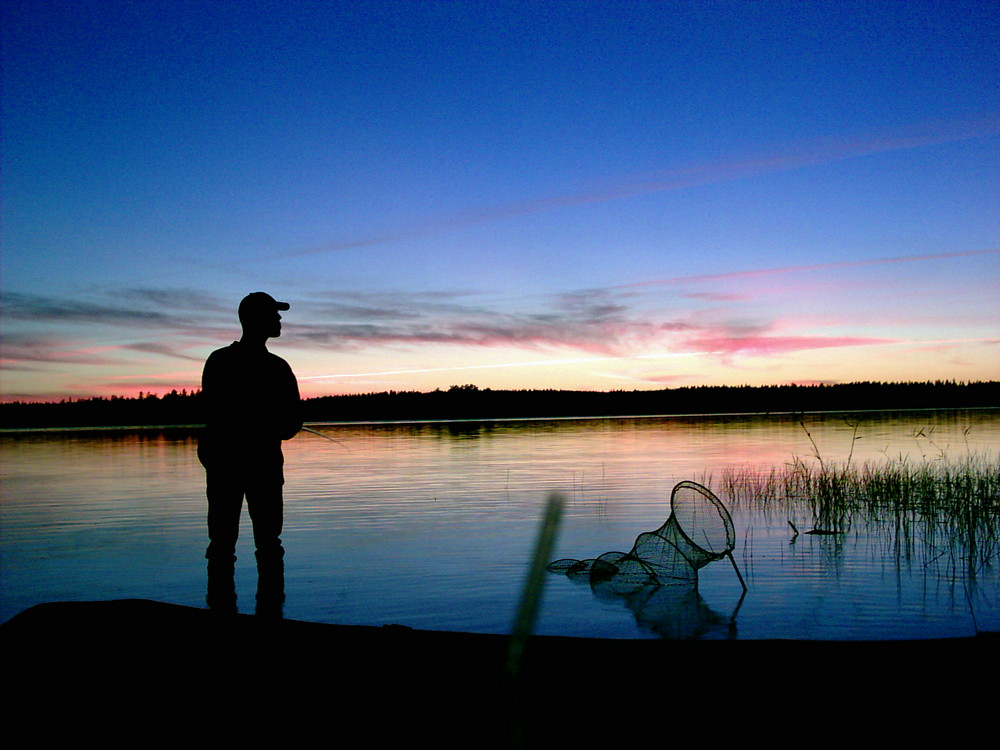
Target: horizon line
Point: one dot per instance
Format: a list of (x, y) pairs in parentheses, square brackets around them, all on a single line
[(188, 393)]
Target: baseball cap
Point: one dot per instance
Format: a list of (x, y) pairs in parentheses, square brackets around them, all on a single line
[(257, 303)]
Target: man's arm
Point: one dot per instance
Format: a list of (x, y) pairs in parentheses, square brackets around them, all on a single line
[(291, 415), (209, 395)]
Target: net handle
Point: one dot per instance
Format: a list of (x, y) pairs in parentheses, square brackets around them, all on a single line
[(737, 569), (711, 497)]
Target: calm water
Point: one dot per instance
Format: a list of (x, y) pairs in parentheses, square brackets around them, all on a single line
[(431, 525)]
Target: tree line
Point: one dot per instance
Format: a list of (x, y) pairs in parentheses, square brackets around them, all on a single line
[(471, 402)]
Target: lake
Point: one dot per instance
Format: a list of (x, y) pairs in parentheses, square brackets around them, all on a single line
[(432, 525)]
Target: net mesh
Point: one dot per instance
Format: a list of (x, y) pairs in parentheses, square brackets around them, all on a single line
[(698, 531)]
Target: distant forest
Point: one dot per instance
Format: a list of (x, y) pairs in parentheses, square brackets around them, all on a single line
[(472, 402)]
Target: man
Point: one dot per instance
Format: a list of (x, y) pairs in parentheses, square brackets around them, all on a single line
[(251, 401)]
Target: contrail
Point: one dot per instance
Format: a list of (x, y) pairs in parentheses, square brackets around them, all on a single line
[(536, 363)]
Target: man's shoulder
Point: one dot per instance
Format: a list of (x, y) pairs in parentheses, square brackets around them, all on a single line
[(237, 354), (226, 352), (275, 358), (280, 365)]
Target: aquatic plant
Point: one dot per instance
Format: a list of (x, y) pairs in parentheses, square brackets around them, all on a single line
[(950, 507)]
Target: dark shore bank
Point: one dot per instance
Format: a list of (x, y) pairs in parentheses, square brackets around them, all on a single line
[(142, 669), (468, 402)]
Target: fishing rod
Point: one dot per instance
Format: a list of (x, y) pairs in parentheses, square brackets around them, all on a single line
[(322, 435)]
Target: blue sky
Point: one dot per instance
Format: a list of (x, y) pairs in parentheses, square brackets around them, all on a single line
[(527, 195)]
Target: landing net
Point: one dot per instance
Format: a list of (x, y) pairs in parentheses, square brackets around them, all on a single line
[(698, 531)]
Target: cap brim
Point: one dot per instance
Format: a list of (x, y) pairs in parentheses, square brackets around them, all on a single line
[(282, 305)]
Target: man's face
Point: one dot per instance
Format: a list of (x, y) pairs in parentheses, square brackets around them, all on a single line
[(266, 323), (273, 323)]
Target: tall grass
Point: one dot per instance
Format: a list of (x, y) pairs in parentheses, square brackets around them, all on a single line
[(950, 508)]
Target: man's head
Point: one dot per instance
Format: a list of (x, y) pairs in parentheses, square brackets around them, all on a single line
[(259, 315)]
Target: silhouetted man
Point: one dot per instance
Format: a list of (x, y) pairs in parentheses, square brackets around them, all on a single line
[(251, 402)]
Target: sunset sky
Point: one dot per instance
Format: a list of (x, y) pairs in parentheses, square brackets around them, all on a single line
[(597, 195)]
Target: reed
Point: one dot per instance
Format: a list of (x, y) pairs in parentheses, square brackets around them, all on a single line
[(951, 507)]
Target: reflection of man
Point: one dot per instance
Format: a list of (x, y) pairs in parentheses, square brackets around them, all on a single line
[(251, 403)]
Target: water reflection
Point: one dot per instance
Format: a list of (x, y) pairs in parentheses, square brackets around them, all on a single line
[(221, 596), (658, 578), (675, 611), (431, 526)]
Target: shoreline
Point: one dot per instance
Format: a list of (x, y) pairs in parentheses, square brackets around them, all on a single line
[(507, 420), (104, 616), (127, 655), (471, 403)]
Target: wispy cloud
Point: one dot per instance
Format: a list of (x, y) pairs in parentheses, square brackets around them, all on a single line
[(750, 273), (619, 323), (143, 307), (813, 153), (769, 345), (599, 324), (593, 321), (165, 350), (27, 351), (717, 296), (32, 352), (17, 306), (172, 301), (562, 361), (39, 330)]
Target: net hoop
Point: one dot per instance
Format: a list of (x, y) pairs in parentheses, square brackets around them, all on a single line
[(699, 530), (714, 548)]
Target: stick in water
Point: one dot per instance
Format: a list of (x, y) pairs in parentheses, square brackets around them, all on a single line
[(528, 608)]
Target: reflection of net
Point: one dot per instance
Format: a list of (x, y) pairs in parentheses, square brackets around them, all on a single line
[(698, 531)]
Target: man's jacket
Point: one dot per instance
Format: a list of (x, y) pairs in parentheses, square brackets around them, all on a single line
[(251, 403)]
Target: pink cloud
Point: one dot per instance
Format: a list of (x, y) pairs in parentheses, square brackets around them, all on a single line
[(809, 267), (777, 344), (19, 351), (718, 296), (163, 377)]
